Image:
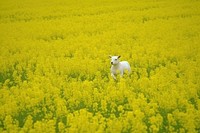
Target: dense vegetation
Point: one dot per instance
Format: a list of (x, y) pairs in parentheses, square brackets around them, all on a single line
[(55, 69)]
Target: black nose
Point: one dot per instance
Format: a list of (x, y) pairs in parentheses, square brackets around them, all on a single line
[(111, 62)]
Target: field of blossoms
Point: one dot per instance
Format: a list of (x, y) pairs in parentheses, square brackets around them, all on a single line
[(55, 66)]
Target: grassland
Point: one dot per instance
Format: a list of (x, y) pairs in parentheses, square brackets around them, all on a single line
[(55, 69)]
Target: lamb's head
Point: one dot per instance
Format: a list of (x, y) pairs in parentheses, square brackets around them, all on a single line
[(114, 60)]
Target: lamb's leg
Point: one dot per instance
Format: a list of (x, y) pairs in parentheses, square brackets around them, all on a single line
[(113, 76), (121, 73), (129, 71)]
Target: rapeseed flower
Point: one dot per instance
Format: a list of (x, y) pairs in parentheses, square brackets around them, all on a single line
[(55, 69)]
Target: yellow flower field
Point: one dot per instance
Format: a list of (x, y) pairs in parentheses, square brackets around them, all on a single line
[(55, 66)]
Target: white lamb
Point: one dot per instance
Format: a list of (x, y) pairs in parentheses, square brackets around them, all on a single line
[(118, 66)]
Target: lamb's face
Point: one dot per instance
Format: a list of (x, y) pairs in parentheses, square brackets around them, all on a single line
[(114, 60)]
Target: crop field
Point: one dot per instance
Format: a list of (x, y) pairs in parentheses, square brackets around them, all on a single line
[(55, 66)]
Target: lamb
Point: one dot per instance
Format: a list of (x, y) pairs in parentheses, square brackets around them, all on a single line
[(118, 66)]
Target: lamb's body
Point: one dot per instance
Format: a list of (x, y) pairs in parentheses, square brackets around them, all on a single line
[(121, 67)]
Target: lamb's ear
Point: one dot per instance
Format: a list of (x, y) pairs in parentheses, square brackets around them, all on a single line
[(119, 57), (110, 56)]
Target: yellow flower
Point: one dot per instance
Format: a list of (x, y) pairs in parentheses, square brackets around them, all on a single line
[(55, 69)]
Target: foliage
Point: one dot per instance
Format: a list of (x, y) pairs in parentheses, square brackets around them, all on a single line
[(55, 69)]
